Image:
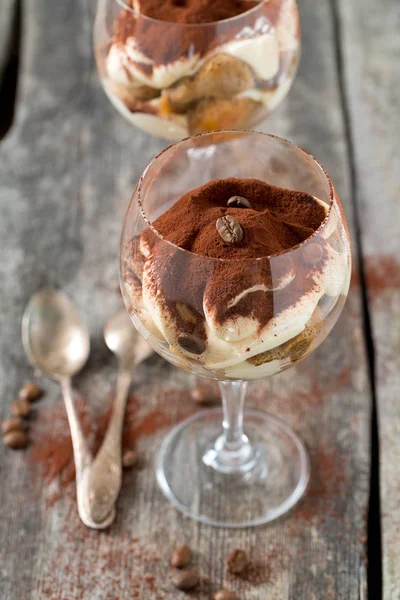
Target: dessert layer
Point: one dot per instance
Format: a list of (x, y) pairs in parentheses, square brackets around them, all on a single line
[(193, 11), (167, 40), (273, 219), (216, 295), (201, 65), (235, 220)]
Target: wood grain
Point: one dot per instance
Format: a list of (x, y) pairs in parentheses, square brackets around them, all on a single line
[(67, 170), (371, 49)]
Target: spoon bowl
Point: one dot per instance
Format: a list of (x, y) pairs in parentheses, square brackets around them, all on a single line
[(54, 338), (57, 342), (123, 339)]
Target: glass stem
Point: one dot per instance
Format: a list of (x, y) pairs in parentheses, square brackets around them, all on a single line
[(232, 451), (233, 395)]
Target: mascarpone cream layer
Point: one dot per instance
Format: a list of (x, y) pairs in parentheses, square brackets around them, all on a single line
[(229, 344), (260, 52)]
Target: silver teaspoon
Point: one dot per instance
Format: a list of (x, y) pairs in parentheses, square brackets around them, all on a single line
[(106, 474), (57, 342)]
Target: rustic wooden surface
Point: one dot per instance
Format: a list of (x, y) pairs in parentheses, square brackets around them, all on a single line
[(371, 50), (67, 169)]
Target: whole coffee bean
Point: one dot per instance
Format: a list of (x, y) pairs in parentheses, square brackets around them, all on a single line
[(186, 580), (181, 557), (201, 395), (191, 343), (239, 202), (129, 459), (21, 407), (237, 561), (229, 230), (312, 253), (225, 595), (16, 439), (13, 424), (31, 392)]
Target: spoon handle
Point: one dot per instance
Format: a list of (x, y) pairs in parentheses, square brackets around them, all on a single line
[(106, 471), (82, 456), (83, 461)]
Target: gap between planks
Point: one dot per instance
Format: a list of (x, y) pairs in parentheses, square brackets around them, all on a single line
[(375, 583)]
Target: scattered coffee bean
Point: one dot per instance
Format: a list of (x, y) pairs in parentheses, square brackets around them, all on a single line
[(229, 230), (202, 395), (191, 343), (312, 253), (186, 580), (239, 202), (129, 459), (13, 424), (21, 407), (31, 392), (16, 439), (237, 561), (181, 557), (225, 595)]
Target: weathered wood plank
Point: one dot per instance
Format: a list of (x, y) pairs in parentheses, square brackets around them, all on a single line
[(371, 49), (66, 173)]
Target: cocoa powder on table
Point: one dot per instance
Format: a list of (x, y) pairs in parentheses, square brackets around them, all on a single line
[(50, 455)]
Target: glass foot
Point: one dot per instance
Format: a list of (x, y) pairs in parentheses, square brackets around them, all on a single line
[(261, 483)]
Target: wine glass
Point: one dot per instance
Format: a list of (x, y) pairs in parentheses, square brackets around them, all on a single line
[(173, 79), (217, 456)]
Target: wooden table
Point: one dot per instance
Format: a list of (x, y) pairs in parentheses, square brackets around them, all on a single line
[(68, 165)]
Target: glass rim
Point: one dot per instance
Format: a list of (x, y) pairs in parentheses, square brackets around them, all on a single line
[(139, 186), (138, 14)]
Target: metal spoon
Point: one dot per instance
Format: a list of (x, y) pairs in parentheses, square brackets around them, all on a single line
[(56, 341), (106, 474)]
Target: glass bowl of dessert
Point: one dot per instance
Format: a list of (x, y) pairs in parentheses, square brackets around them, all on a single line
[(184, 67), (235, 265)]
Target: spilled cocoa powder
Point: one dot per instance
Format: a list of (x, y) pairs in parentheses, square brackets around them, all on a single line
[(139, 561), (258, 573), (329, 479), (50, 455), (382, 273)]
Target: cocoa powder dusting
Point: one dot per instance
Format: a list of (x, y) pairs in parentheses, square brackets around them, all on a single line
[(275, 560), (66, 576), (151, 423), (194, 11), (328, 482), (277, 220), (383, 273), (164, 39), (50, 455)]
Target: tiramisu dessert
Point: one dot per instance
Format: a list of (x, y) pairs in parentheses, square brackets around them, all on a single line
[(239, 276), (179, 67)]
